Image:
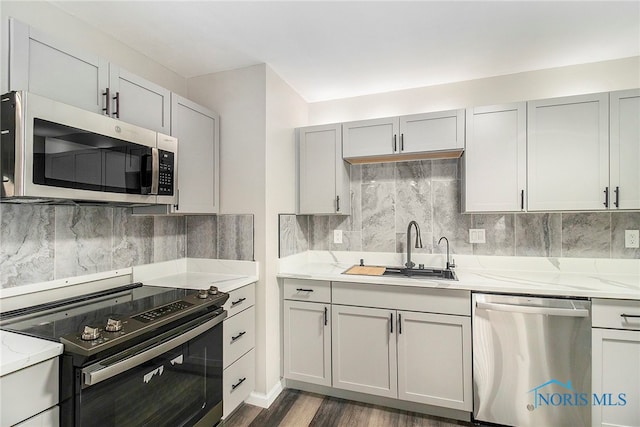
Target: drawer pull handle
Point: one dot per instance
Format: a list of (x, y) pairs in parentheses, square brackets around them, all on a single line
[(635, 316), (237, 337), (236, 385), (304, 290), (233, 303)]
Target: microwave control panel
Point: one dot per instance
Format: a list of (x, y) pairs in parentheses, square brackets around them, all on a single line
[(165, 185)]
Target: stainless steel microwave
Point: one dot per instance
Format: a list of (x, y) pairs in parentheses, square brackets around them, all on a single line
[(52, 151)]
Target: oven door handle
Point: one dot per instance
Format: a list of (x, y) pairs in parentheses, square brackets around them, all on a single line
[(97, 373)]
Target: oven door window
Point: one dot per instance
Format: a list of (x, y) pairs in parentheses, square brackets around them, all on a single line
[(174, 389), (64, 156)]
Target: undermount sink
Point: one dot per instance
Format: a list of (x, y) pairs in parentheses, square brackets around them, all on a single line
[(434, 273)]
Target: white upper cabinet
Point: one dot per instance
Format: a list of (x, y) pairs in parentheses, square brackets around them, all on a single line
[(625, 149), (323, 177), (568, 153), (138, 101), (43, 65), (439, 131), (197, 130), (411, 137), (369, 138), (495, 162)]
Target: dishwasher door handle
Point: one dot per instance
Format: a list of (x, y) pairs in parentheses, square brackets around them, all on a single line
[(527, 309)]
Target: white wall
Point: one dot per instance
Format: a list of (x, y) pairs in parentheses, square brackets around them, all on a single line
[(286, 110), (576, 79), (53, 21)]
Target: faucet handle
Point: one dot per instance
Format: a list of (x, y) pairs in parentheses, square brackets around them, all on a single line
[(453, 263)]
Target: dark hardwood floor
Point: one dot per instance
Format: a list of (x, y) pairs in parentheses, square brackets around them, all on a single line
[(295, 408)]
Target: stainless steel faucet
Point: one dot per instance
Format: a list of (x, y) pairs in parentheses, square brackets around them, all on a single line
[(409, 263), (450, 265)]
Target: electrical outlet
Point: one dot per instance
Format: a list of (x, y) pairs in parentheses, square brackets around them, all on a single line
[(337, 237), (477, 235), (632, 239)]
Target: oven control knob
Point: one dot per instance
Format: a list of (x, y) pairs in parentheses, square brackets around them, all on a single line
[(90, 333), (113, 325), (213, 290), (203, 294)]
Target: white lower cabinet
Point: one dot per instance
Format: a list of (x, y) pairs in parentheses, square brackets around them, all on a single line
[(238, 330), (434, 359), (616, 363), (307, 342), (364, 350), (373, 339), (48, 418)]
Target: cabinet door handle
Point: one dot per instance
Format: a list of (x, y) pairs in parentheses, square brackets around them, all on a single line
[(395, 146), (238, 301), (304, 290), (326, 320), (606, 197), (617, 202), (116, 113), (402, 142), (237, 337), (337, 203), (399, 323), (634, 316), (236, 385), (391, 321), (522, 200), (107, 101)]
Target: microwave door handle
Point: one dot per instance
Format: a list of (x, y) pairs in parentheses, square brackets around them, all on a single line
[(155, 171), (93, 376)]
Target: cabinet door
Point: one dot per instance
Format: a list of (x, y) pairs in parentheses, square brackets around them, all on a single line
[(616, 369), (323, 177), (198, 156), (625, 149), (307, 342), (364, 350), (51, 68), (568, 153), (495, 158), (439, 131), (138, 101), (434, 359), (370, 138)]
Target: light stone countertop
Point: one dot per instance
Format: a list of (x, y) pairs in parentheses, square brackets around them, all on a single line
[(21, 351), (540, 276)]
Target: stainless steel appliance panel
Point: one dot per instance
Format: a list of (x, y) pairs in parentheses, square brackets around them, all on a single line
[(526, 351)]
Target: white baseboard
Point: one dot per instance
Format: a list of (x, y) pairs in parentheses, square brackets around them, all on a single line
[(265, 400)]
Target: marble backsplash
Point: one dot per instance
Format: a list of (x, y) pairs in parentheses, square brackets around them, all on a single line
[(386, 196), (40, 242)]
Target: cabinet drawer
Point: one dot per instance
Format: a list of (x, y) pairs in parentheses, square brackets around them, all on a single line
[(28, 392), (307, 290), (408, 298), (240, 299), (238, 380), (238, 335), (616, 314)]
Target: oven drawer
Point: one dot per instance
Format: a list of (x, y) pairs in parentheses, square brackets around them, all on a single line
[(307, 290), (240, 298), (238, 381), (239, 335), (616, 314)]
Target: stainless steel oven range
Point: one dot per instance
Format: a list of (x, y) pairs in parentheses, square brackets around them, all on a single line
[(134, 355)]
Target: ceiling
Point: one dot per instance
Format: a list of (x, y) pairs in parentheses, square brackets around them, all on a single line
[(336, 49)]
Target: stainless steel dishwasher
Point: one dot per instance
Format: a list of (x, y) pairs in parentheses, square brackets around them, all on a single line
[(531, 361)]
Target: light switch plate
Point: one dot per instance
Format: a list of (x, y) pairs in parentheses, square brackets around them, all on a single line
[(632, 239), (337, 236), (477, 235)]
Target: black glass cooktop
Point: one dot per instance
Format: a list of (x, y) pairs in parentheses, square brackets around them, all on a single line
[(54, 320)]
